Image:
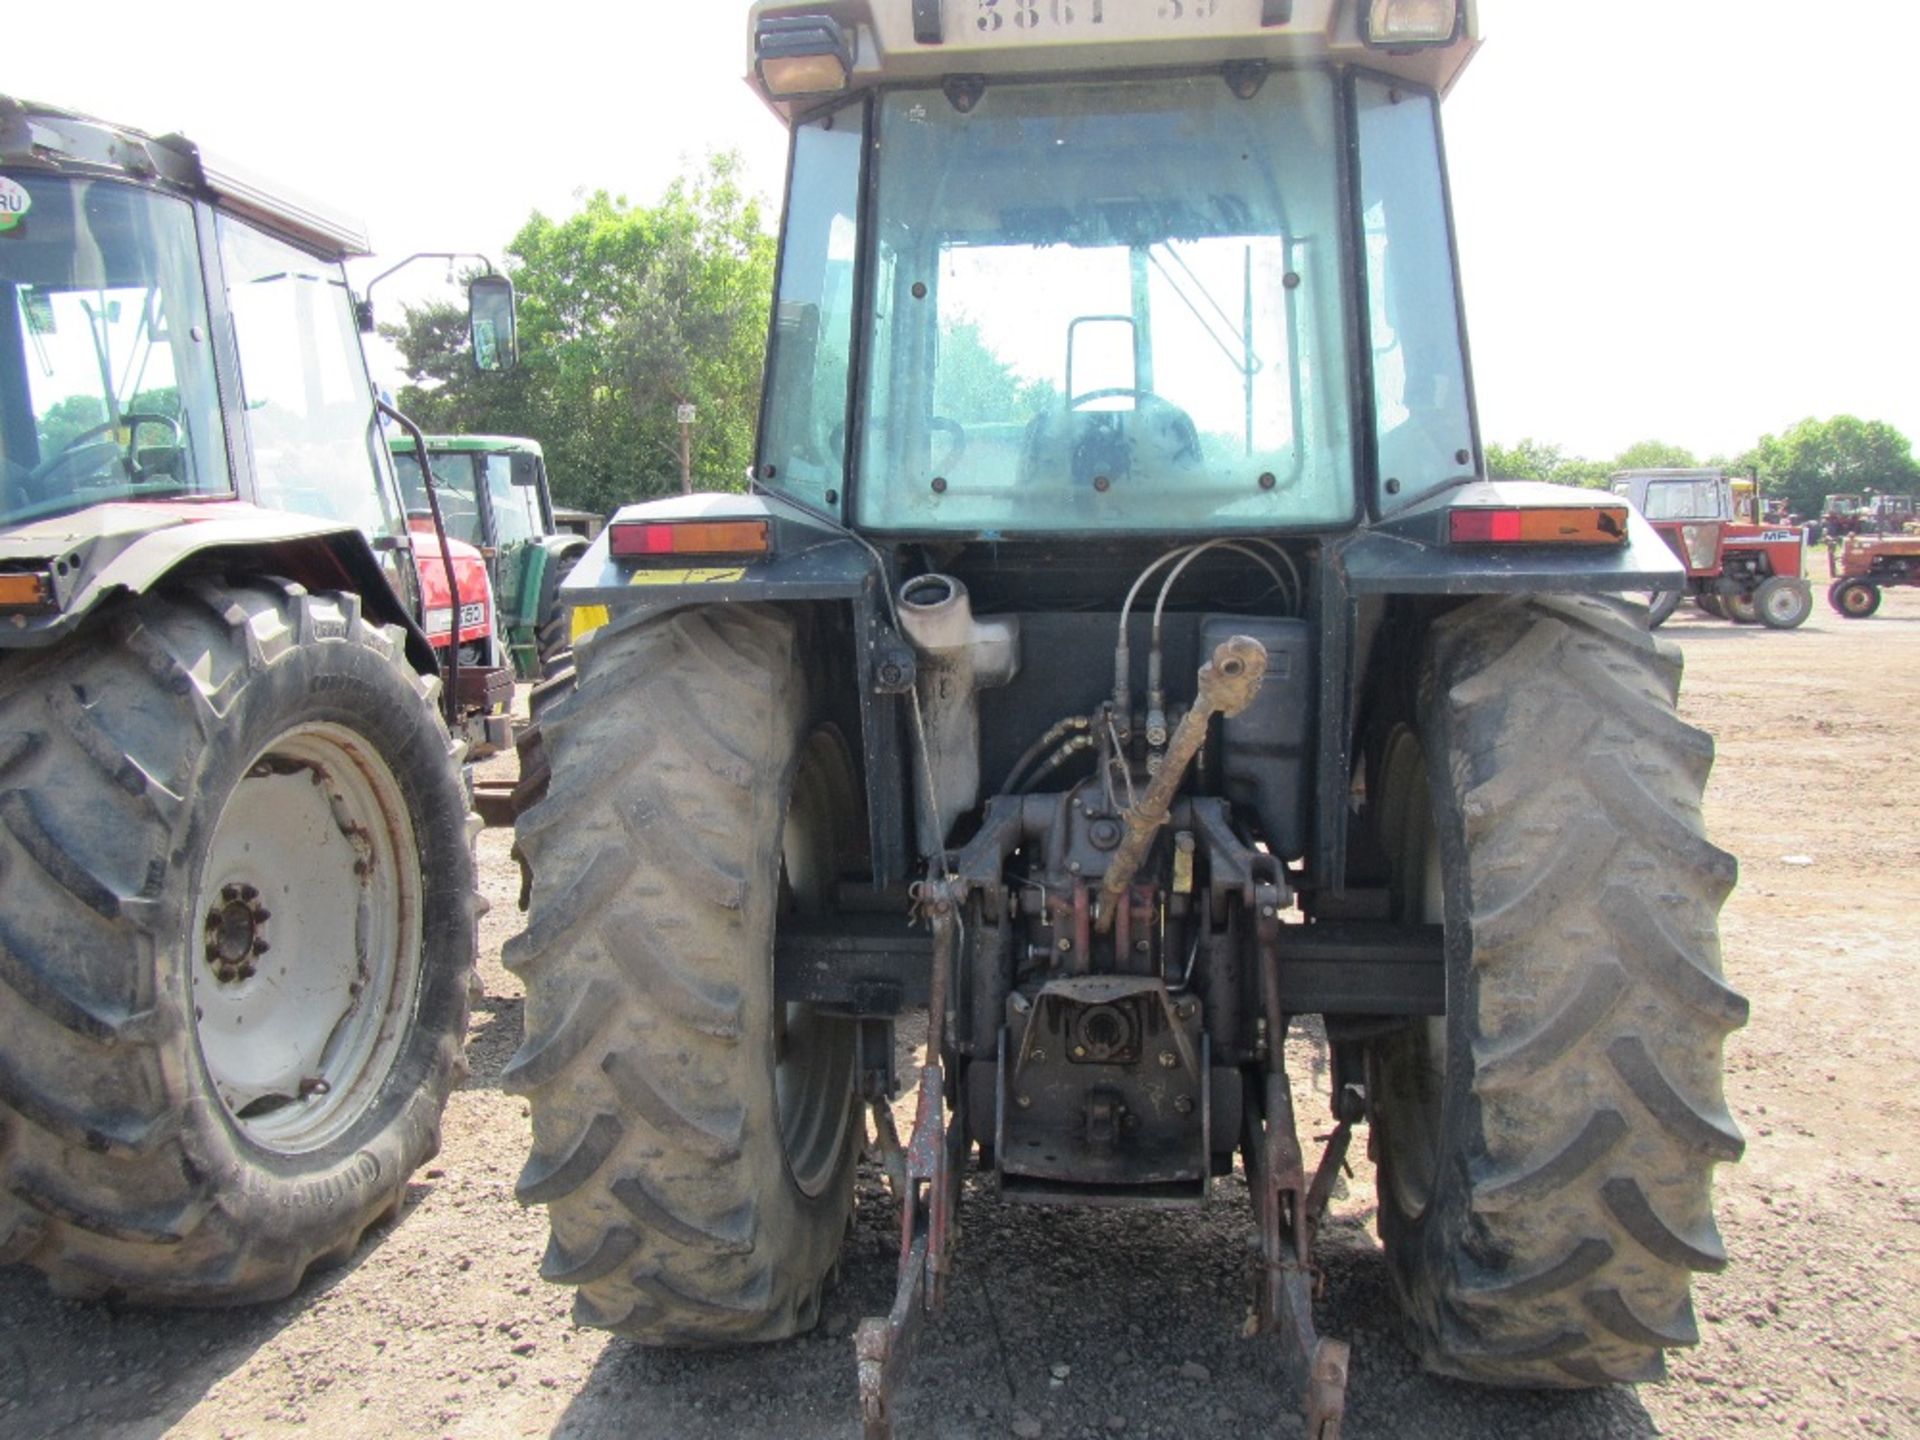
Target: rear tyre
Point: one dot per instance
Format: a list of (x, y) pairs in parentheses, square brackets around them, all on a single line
[(693, 1140), (1546, 1150), (1742, 609), (236, 923), (1709, 603), (1783, 602), (1660, 607), (1855, 599)]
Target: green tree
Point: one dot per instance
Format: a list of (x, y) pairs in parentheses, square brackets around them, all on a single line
[(1536, 460), (67, 420), (1656, 455), (975, 385), (626, 313), (1844, 455)]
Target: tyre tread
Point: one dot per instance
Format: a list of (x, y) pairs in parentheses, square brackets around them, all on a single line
[(1590, 999)]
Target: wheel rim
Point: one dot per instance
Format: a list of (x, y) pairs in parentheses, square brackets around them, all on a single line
[(307, 939), (1411, 1068), (1785, 605), (813, 1051), (1741, 608), (1856, 600)]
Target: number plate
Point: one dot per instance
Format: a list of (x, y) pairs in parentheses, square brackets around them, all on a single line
[(1026, 22), (472, 615)]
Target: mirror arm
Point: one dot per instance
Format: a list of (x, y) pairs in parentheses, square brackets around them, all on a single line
[(363, 307)]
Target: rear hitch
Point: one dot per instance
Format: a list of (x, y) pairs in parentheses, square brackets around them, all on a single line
[(1288, 1210), (1287, 1281), (925, 1176)]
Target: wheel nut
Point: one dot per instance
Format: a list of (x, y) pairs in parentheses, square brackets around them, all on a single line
[(1183, 1105), (1025, 1102), (1168, 1059)]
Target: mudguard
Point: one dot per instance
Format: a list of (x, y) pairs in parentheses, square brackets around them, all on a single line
[(810, 559), (1411, 554), (96, 554)]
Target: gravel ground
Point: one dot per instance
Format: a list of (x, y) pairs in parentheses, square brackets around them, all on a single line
[(1082, 1324)]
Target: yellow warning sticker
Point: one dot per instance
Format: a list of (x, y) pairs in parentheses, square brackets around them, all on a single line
[(587, 619), (708, 576)]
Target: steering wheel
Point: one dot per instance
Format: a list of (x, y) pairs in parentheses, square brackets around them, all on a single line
[(1114, 392), (87, 456), (1181, 437)]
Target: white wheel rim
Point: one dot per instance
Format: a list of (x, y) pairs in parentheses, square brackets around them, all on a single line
[(1784, 604), (306, 939)]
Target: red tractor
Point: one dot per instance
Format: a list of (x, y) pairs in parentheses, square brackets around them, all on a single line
[(1842, 514), (1738, 567)]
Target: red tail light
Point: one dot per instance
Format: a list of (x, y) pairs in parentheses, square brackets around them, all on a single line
[(1541, 525), (652, 539)]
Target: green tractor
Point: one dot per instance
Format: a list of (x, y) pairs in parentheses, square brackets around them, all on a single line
[(1121, 596), (237, 898), (494, 494)]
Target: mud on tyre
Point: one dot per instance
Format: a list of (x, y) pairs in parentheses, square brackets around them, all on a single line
[(223, 807), (1546, 1151), (693, 1141)]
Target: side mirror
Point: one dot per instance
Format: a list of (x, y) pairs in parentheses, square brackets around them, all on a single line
[(524, 469), (490, 313)]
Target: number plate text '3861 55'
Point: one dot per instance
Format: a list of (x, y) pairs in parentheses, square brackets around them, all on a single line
[(1026, 21)]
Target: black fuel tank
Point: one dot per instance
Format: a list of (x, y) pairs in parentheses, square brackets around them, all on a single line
[(1267, 750)]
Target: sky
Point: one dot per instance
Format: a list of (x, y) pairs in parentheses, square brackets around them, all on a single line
[(1687, 220)]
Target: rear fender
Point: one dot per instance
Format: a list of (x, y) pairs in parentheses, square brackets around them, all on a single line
[(1411, 554), (819, 571), (116, 550)]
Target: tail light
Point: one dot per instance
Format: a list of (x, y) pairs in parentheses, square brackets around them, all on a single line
[(1542, 525), (662, 539), (30, 591)]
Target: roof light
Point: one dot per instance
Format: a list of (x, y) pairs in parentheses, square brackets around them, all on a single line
[(654, 539), (802, 55), (1541, 525), (1398, 24)]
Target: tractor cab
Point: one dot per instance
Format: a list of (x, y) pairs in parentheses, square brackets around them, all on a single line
[(1890, 514), (1691, 510), (178, 337), (494, 494), (1109, 303)]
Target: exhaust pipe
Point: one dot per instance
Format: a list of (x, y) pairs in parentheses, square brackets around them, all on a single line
[(958, 658)]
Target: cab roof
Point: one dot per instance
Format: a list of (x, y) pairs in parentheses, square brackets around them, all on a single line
[(895, 41), (46, 138)]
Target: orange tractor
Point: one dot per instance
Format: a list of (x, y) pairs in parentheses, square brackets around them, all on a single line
[(1866, 565)]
